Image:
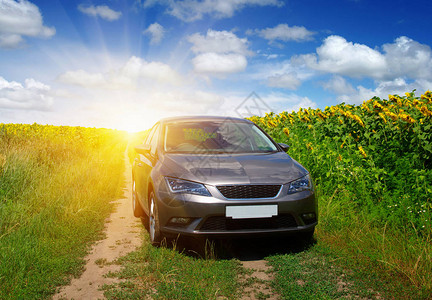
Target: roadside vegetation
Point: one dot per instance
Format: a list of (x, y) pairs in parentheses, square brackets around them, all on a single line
[(372, 166), (56, 184), (168, 273), (321, 272)]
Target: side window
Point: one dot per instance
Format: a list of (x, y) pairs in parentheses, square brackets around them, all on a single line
[(154, 140), (149, 135)]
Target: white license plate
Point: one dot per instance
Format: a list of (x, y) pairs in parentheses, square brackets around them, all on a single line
[(251, 211)]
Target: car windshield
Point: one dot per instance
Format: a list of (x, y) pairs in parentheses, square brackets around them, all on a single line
[(225, 136)]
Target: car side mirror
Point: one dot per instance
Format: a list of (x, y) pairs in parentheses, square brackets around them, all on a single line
[(284, 147), (142, 149)]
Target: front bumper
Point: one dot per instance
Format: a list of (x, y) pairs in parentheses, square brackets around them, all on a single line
[(208, 218)]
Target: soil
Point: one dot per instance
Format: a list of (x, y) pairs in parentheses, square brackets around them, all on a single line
[(251, 252), (122, 231), (261, 276)]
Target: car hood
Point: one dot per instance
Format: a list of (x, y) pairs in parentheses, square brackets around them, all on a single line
[(268, 168)]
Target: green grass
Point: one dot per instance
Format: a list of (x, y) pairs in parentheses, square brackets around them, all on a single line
[(389, 261), (56, 184), (323, 273), (299, 271), (163, 273), (400, 252)]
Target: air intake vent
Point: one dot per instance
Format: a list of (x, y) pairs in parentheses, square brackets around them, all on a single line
[(249, 191), (228, 224)]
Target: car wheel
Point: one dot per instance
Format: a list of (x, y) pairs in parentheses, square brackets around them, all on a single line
[(309, 235), (306, 238), (136, 206), (154, 227)]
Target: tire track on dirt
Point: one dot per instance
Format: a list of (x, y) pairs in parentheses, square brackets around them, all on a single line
[(261, 277), (251, 252), (122, 232)]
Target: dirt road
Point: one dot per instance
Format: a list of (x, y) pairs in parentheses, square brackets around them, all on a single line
[(261, 276), (122, 232)]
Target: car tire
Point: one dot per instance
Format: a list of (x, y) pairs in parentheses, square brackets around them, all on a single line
[(136, 206), (154, 226), (306, 238)]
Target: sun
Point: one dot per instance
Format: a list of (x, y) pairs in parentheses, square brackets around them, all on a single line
[(131, 122), (130, 127)]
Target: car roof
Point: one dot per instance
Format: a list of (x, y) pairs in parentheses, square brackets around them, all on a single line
[(202, 118)]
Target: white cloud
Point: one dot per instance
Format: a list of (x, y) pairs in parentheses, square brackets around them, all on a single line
[(83, 78), (219, 52), (287, 80), (180, 102), (153, 71), (338, 84), (219, 42), (192, 10), (337, 55), (219, 64), (259, 104), (288, 102), (383, 88), (408, 58), (18, 19), (135, 72), (403, 58), (396, 68), (10, 40), (34, 95), (156, 31), (133, 96), (140, 108), (271, 56), (101, 11), (285, 33), (280, 73)]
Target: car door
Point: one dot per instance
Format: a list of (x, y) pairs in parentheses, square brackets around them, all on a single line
[(143, 166)]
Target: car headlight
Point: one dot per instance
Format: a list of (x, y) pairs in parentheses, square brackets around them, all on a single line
[(180, 186), (301, 184)]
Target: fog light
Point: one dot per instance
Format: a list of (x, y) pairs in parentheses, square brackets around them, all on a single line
[(180, 221), (309, 218)]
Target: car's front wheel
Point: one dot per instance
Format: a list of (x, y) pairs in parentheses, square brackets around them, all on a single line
[(306, 238), (154, 226)]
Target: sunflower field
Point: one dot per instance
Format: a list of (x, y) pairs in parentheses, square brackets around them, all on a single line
[(372, 166)]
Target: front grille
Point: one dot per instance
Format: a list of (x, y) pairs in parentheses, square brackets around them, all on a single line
[(226, 224), (249, 191)]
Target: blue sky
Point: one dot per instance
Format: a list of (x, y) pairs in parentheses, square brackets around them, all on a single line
[(125, 64)]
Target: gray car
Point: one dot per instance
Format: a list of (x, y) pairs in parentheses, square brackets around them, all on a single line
[(219, 177)]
